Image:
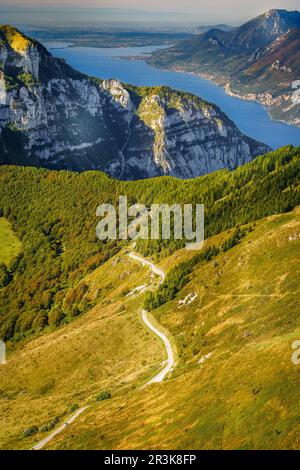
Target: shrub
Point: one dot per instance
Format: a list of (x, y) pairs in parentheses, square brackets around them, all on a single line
[(74, 407), (104, 395), (27, 79), (56, 316), (47, 427), (44, 428), (40, 321), (30, 431), (4, 275), (125, 292)]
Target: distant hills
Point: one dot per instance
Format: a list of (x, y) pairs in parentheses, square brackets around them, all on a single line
[(53, 116), (223, 27), (107, 36), (257, 61)]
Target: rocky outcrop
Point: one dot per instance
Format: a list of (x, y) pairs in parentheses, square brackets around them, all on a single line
[(55, 117)]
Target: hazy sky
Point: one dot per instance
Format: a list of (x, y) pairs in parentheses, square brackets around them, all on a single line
[(201, 11)]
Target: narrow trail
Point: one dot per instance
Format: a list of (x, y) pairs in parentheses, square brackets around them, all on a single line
[(47, 439), (170, 361), (153, 268), (158, 377)]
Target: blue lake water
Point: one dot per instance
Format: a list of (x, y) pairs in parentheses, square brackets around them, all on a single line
[(251, 118)]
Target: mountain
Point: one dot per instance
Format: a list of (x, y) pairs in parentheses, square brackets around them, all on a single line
[(70, 313), (230, 48), (223, 27), (53, 116), (262, 30), (229, 57), (276, 68)]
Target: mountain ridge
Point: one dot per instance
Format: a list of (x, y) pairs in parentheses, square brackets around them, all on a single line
[(225, 58), (55, 117)]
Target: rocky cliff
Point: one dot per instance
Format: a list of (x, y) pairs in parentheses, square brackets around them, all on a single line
[(55, 117)]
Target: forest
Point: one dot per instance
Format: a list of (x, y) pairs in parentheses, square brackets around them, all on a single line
[(53, 214)]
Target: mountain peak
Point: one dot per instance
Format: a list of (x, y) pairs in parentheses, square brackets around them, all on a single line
[(264, 29), (274, 11), (21, 55), (286, 16), (280, 12), (16, 40)]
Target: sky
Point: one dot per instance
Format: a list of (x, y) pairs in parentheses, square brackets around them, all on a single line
[(195, 11)]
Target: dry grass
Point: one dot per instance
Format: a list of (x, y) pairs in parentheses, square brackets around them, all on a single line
[(10, 245), (108, 348), (246, 395)]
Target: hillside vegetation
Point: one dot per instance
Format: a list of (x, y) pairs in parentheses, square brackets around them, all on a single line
[(53, 215), (108, 350), (234, 385)]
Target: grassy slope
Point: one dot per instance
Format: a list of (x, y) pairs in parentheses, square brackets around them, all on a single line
[(10, 246), (108, 348), (246, 395), (54, 215)]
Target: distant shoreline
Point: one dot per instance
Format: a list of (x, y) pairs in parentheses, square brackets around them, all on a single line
[(225, 85)]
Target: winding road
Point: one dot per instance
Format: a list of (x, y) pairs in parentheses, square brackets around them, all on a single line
[(152, 266), (158, 377), (47, 439), (170, 361)]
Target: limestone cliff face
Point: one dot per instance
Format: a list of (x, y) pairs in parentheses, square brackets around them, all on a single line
[(55, 117), (185, 137)]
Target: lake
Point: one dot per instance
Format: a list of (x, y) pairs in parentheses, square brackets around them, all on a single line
[(251, 118)]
